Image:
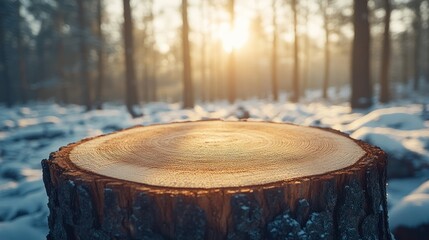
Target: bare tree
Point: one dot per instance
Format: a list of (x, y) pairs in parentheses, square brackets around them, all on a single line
[(21, 55), (306, 69), (188, 94), (144, 44), (6, 89), (295, 71), (417, 26), (361, 84), (59, 53), (100, 56), (84, 72), (385, 61), (231, 64), (405, 56), (275, 89), (131, 97), (203, 52), (154, 55), (325, 5)]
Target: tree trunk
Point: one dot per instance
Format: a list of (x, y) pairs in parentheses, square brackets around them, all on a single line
[(361, 83), (41, 59), (325, 6), (188, 93), (100, 55), (144, 57), (131, 97), (417, 26), (232, 81), (306, 69), (385, 61), (405, 61), (203, 64), (4, 70), (295, 71), (275, 88), (154, 85), (84, 71), (216, 180), (59, 54), (23, 85)]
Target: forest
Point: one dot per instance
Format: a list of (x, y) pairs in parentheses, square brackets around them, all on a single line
[(198, 85), (90, 52)]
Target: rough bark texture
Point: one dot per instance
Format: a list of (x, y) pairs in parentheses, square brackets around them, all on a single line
[(348, 203)]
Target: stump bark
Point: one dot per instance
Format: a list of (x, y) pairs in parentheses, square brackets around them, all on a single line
[(217, 180)]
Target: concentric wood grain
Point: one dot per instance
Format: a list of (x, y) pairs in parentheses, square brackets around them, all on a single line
[(216, 154)]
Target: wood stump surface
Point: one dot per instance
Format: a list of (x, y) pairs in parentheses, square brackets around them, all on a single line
[(217, 180)]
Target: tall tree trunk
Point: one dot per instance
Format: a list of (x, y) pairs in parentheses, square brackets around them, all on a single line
[(7, 93), (41, 60), (275, 88), (144, 57), (306, 69), (84, 71), (211, 55), (59, 54), (231, 64), (325, 6), (385, 62), (100, 55), (131, 97), (295, 71), (203, 79), (427, 47), (154, 56), (405, 57), (154, 84), (146, 92), (417, 26), (188, 94), (22, 58), (361, 84)]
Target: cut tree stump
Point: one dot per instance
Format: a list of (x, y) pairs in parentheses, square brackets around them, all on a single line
[(217, 180)]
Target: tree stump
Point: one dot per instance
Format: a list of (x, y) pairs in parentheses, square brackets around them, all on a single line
[(217, 180)]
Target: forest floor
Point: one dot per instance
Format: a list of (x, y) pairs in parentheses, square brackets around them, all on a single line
[(28, 133)]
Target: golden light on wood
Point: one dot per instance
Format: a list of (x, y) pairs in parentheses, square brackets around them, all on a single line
[(216, 154), (217, 180)]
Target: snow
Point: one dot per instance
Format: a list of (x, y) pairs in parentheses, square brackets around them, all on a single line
[(30, 132), (394, 117), (412, 210)]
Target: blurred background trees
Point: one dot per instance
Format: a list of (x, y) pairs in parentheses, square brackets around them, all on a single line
[(89, 52)]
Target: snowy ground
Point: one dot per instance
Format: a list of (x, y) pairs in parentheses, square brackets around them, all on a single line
[(29, 133)]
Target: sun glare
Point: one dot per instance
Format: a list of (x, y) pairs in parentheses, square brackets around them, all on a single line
[(233, 39)]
